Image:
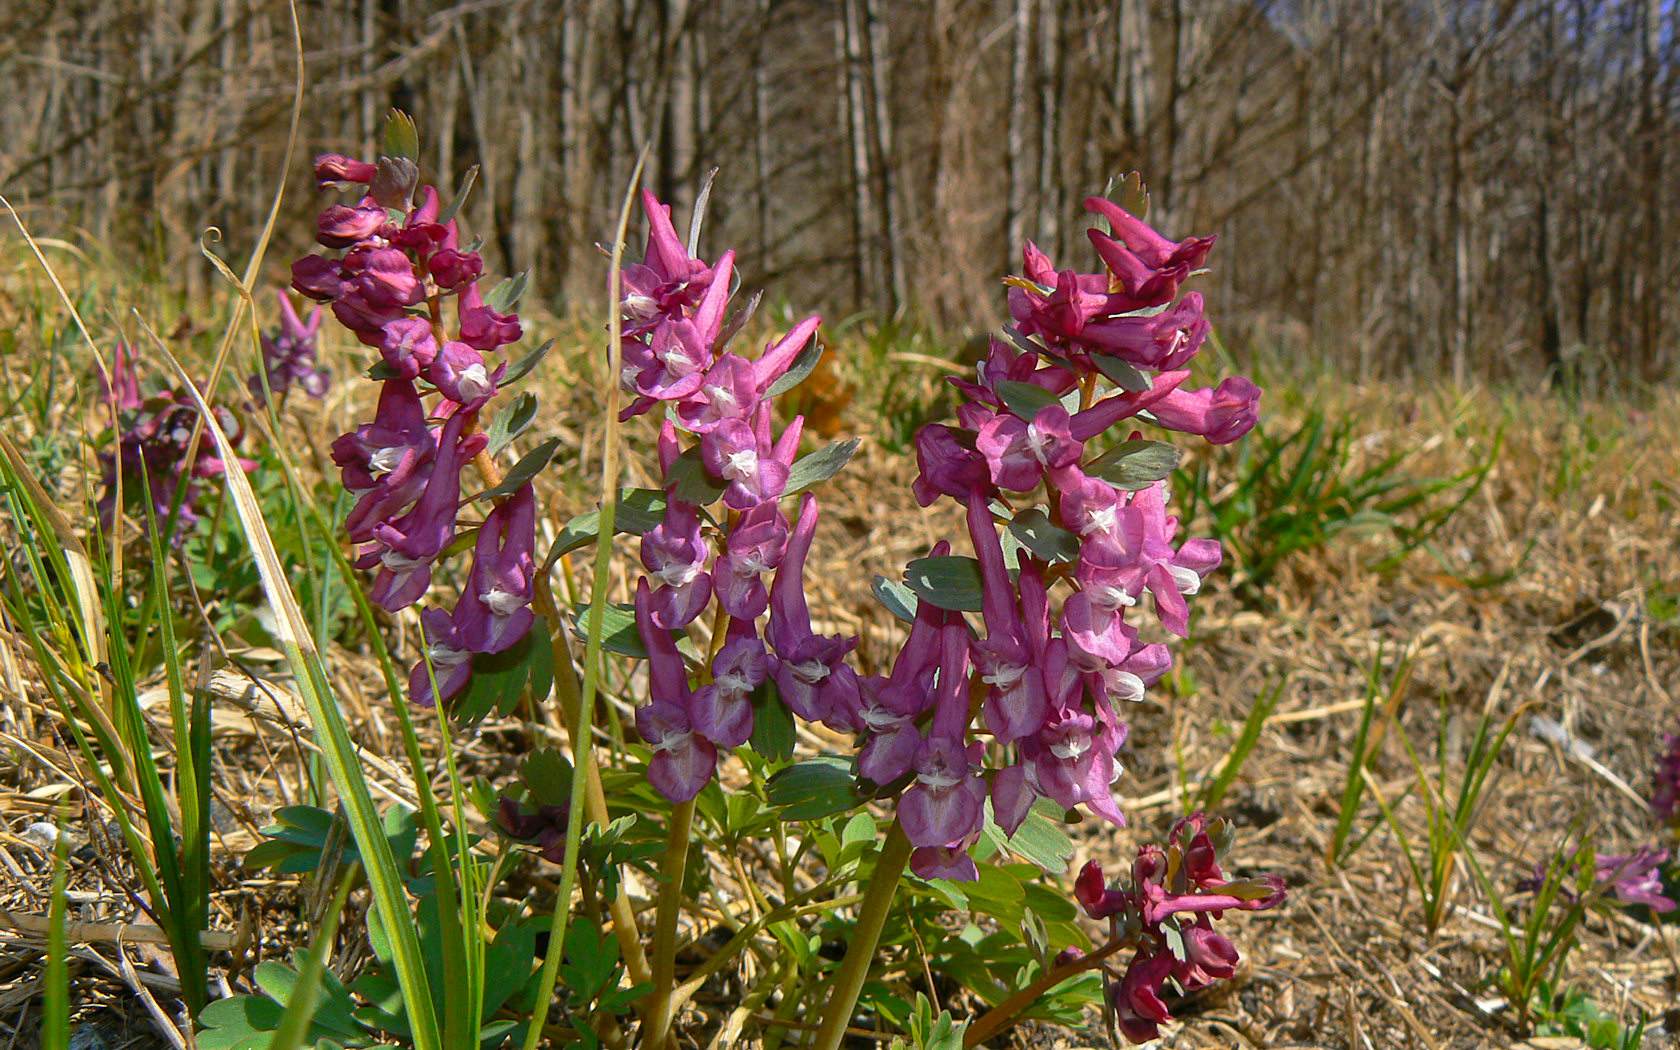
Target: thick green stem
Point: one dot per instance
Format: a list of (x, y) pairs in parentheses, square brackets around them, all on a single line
[(877, 902), (665, 926)]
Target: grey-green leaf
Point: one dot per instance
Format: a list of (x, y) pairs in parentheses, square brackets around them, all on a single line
[(949, 582), (820, 465), (1135, 464), (1047, 542)]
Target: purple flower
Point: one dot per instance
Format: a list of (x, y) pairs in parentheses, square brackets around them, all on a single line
[(722, 710), (1222, 414), (667, 280), (743, 455), (341, 225), (675, 553), (733, 387), (495, 611), (404, 549), (671, 361), (335, 169), (318, 278), (451, 268), (451, 662), (1012, 797), (460, 374), (289, 355), (683, 761), (1167, 340), (122, 381), (408, 346), (1152, 249), (386, 278), (946, 802), (810, 670), (949, 465), (1635, 878), (1016, 702), (753, 547), (397, 434), (1019, 453), (483, 328), (890, 706)]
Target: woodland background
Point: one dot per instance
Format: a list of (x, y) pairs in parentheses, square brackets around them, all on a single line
[(1479, 188)]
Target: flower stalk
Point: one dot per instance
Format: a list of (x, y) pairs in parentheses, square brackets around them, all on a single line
[(860, 953), (660, 1006)]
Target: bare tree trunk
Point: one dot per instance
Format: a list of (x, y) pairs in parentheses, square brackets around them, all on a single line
[(1051, 163), (848, 45), (882, 159), (1015, 215)]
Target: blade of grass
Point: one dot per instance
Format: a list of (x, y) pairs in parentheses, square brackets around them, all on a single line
[(1214, 792), (300, 1008)]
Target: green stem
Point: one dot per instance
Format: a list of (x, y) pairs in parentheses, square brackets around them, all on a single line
[(665, 926), (877, 902)]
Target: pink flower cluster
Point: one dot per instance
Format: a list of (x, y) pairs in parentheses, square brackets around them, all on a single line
[(1167, 913), (396, 264), (675, 352), (1053, 677), (289, 357), (151, 446)]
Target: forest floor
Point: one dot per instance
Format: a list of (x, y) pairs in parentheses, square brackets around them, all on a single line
[(1551, 598)]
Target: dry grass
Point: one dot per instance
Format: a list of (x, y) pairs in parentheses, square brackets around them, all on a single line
[(1583, 528)]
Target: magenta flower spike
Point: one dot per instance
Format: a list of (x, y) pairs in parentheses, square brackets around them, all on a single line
[(810, 670), (122, 383), (1636, 878), (451, 662), (667, 280), (683, 761), (675, 552), (1221, 414), (495, 610)]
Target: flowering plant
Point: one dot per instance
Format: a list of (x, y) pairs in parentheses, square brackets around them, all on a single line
[(1001, 711)]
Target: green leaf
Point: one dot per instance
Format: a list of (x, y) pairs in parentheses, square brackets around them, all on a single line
[(803, 365), (618, 629), (898, 599), (1122, 374), (520, 368), (1135, 464), (497, 681), (1040, 839), (690, 483), (815, 788), (1047, 542), (638, 511), (1025, 399), (528, 467), (505, 296), (950, 582), (820, 465), (402, 138), (772, 734), (510, 421)]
